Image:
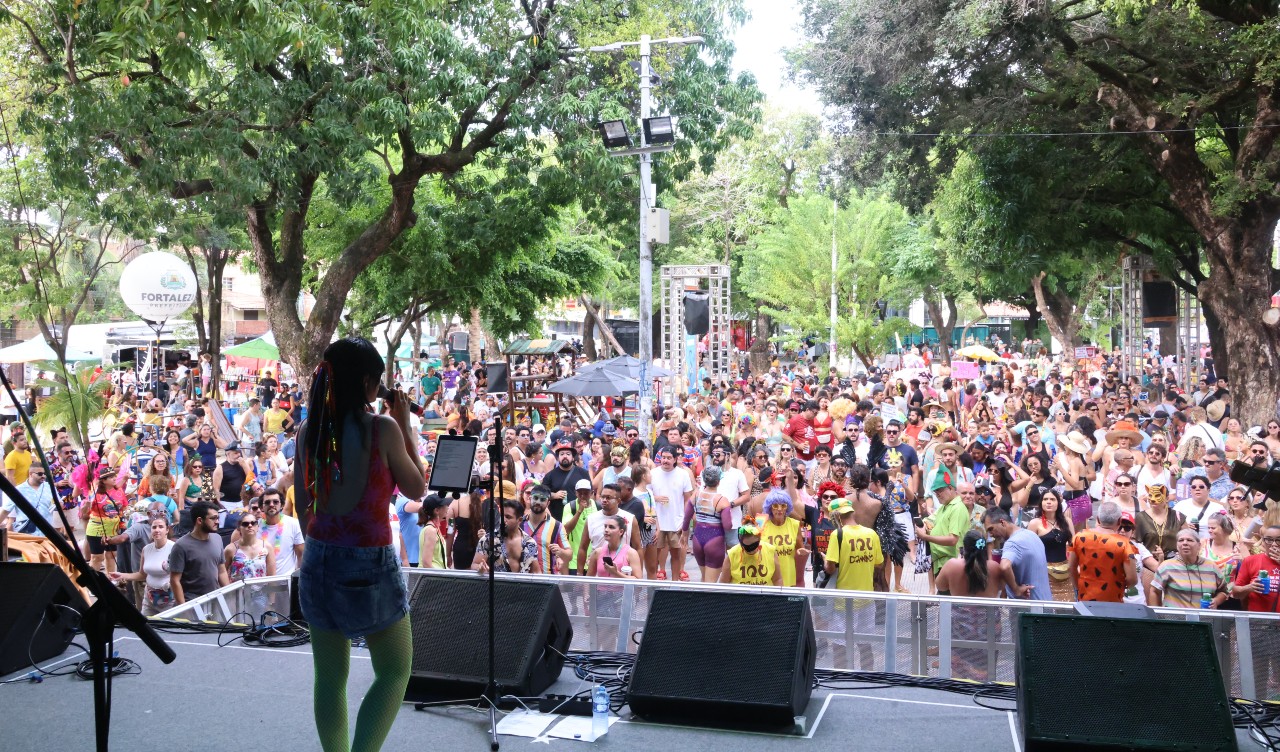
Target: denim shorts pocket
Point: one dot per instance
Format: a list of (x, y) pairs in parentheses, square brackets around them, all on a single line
[(355, 601)]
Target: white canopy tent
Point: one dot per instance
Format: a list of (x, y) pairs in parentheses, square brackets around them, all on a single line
[(37, 349)]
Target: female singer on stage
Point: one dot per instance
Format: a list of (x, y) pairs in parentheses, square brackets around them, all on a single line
[(350, 463)]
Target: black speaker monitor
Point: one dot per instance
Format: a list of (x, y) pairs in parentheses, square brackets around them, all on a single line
[(697, 313), (38, 607), (1159, 303), (691, 667), (1086, 682), (450, 617), (497, 374)]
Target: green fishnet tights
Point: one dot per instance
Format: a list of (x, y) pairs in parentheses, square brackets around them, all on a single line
[(391, 651)]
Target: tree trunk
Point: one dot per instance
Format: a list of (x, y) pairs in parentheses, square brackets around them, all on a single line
[(1237, 239), (475, 333), (1169, 340), (280, 266), (1236, 295), (1060, 313), (1032, 324), (944, 322), (758, 352), (589, 334), (1217, 346), (605, 331), (866, 358)]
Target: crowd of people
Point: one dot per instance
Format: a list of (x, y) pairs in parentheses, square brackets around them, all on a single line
[(1012, 484)]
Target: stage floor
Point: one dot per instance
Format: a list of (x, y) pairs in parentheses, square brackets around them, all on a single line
[(263, 697)]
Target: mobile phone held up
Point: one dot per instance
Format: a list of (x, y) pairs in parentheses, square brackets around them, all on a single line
[(608, 561)]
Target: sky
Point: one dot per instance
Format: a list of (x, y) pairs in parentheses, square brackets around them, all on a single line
[(773, 27)]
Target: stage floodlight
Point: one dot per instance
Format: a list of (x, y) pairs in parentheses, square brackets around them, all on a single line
[(614, 133), (659, 130)]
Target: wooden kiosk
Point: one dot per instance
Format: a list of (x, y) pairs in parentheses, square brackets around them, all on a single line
[(526, 394)]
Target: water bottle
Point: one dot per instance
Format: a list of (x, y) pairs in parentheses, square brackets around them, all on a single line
[(1265, 578), (1206, 600), (599, 711)]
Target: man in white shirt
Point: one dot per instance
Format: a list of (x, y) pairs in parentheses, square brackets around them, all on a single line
[(281, 532), (734, 487), (671, 489)]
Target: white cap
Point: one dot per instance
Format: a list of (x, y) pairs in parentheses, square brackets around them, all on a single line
[(584, 483)]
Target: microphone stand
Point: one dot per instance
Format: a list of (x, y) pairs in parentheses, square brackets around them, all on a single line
[(495, 539), (494, 526), (110, 607)]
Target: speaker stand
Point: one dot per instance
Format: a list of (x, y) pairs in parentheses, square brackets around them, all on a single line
[(490, 696)]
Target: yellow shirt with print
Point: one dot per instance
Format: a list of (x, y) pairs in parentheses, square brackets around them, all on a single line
[(783, 538), (857, 553), (752, 569)]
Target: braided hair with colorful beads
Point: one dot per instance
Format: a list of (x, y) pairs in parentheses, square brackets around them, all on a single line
[(339, 388)]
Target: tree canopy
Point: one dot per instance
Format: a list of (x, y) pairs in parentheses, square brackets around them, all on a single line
[(1185, 89), (255, 106)]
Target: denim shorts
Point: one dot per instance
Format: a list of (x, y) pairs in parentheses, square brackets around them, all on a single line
[(355, 591)]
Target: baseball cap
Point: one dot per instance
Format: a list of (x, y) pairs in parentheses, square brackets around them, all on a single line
[(1127, 516), (584, 483)]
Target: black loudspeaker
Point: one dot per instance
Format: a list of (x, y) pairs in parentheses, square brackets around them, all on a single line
[(691, 667), (459, 341), (38, 614), (1159, 303), (1114, 663), (450, 617), (697, 313), (627, 332), (497, 375)]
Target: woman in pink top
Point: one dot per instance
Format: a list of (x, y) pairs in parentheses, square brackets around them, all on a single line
[(349, 463)]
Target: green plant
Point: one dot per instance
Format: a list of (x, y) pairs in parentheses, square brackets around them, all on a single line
[(75, 400)]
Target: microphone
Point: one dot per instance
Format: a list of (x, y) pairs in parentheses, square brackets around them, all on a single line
[(387, 394)]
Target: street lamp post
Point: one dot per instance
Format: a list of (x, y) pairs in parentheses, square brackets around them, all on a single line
[(835, 214), (645, 151)]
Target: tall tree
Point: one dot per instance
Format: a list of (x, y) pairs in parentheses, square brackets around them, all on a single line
[(52, 258), (1191, 85), (256, 104), (788, 269)]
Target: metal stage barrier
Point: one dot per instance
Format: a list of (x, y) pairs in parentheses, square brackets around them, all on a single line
[(943, 637)]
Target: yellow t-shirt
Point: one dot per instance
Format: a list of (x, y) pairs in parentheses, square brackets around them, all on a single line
[(857, 556), (19, 461), (752, 569), (273, 420), (783, 538)]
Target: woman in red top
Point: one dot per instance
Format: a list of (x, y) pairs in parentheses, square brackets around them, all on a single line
[(822, 421), (349, 464)]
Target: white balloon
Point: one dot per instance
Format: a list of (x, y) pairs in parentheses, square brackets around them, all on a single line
[(158, 286)]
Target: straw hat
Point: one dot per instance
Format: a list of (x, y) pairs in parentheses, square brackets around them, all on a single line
[(1124, 429), (1216, 410), (1075, 441)]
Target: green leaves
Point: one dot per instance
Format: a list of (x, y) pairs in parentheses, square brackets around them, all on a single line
[(788, 268)]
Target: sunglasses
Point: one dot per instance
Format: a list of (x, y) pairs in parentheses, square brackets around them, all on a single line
[(1123, 485), (248, 523), (829, 497)]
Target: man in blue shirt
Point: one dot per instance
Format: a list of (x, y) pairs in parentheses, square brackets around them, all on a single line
[(40, 494), (1022, 560)]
